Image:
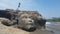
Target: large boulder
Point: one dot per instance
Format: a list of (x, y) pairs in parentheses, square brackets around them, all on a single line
[(26, 20)]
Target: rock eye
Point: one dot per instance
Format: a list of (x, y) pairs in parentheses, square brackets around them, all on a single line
[(24, 16), (30, 17)]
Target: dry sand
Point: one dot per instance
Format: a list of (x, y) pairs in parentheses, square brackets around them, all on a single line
[(10, 30)]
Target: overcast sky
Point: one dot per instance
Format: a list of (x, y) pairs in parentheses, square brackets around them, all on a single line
[(48, 8)]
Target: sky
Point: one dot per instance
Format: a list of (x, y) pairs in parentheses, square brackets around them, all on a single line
[(48, 8)]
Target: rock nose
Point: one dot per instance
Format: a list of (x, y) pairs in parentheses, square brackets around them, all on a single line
[(30, 21)]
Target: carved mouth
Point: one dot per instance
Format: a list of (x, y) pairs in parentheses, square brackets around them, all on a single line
[(29, 30)]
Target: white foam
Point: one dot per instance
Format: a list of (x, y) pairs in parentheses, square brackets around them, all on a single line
[(48, 23)]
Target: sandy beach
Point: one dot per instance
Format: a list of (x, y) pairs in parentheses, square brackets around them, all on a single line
[(10, 30)]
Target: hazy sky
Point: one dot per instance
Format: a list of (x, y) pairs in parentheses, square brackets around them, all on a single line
[(48, 8)]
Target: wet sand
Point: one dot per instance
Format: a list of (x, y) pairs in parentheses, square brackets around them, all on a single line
[(54, 26), (10, 30)]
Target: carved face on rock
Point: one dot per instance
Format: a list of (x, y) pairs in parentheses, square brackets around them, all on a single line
[(29, 21)]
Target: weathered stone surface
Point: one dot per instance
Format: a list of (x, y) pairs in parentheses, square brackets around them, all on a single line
[(26, 20), (6, 21)]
